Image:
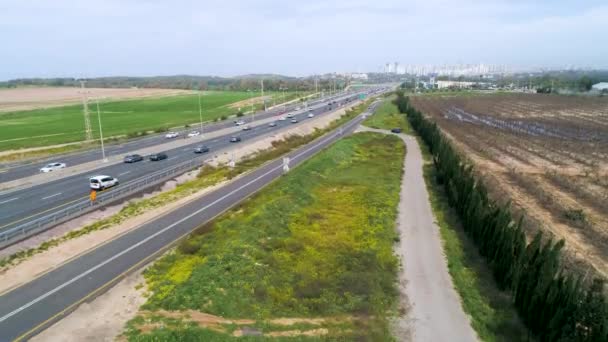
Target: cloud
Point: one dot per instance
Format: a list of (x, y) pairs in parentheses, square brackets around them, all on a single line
[(145, 37)]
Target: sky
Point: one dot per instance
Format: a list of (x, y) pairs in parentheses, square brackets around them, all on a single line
[(77, 38)]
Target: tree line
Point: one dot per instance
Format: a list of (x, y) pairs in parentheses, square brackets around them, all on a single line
[(553, 304), (242, 83)]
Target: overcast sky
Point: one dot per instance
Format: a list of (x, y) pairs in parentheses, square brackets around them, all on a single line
[(78, 38)]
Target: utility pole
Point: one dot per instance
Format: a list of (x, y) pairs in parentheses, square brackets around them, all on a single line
[(200, 111), (263, 99), (103, 151), (88, 134)]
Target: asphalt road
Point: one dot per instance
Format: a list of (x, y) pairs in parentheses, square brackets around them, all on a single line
[(34, 306), (30, 203), (15, 171)]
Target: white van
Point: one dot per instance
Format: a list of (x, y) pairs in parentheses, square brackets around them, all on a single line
[(102, 182)]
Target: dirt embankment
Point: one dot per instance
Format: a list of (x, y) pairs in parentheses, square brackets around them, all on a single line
[(44, 97)]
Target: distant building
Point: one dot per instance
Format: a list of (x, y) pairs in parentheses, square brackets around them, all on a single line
[(359, 76), (454, 84), (600, 87)]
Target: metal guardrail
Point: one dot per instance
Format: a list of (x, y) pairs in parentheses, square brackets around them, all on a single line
[(83, 206)]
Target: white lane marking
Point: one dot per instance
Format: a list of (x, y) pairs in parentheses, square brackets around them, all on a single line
[(162, 231), (186, 149), (124, 173), (53, 195), (9, 200)]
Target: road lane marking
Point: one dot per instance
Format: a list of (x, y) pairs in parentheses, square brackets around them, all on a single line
[(124, 173), (47, 197), (9, 200), (162, 231)]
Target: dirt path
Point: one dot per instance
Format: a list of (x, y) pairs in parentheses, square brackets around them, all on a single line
[(434, 309)]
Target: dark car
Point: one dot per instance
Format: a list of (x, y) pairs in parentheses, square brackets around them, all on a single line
[(235, 139), (158, 156), (201, 149), (132, 158), (396, 130)]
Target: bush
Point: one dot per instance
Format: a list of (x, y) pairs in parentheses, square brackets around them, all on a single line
[(223, 117), (239, 114)]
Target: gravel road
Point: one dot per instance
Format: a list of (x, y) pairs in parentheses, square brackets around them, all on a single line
[(434, 312)]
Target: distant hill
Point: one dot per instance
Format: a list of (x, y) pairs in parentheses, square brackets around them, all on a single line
[(243, 82)]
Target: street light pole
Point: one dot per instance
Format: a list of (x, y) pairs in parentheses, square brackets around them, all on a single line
[(103, 151), (200, 111)]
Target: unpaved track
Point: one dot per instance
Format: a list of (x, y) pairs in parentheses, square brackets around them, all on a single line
[(434, 309)]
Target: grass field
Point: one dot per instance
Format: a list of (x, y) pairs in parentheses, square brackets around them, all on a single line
[(387, 116), (307, 259), (58, 125)]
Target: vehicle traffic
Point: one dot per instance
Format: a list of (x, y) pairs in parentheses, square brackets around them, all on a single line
[(171, 135), (272, 124), (52, 167), (282, 118), (396, 130), (158, 156), (294, 120), (102, 182), (201, 149), (311, 115), (240, 122), (133, 158), (194, 134), (235, 139)]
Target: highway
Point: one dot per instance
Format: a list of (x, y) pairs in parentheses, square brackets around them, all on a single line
[(34, 306), (17, 207), (18, 170)]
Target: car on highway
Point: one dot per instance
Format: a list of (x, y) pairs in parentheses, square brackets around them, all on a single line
[(294, 120), (310, 110), (158, 156), (272, 124), (240, 122), (52, 167), (235, 139), (246, 128), (171, 135), (290, 115), (201, 149), (282, 118), (194, 134), (311, 115), (102, 182), (133, 158), (396, 130)]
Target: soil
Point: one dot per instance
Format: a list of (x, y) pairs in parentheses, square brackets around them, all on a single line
[(517, 165), (44, 97)]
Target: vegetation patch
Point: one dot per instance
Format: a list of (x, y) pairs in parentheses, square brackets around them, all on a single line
[(315, 244), (387, 116)]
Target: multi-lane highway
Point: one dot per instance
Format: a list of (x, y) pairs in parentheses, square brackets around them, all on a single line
[(17, 207), (20, 170), (32, 307)]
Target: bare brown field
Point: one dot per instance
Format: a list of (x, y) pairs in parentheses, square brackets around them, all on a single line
[(547, 154), (43, 97)]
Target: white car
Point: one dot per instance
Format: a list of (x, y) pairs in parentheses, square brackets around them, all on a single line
[(194, 134), (290, 115), (171, 135), (102, 182), (311, 115), (240, 122), (52, 167), (246, 128), (282, 118)]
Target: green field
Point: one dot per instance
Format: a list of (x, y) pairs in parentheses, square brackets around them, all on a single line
[(58, 125), (387, 116), (316, 244)]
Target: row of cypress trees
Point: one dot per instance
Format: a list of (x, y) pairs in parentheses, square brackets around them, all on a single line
[(555, 306)]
